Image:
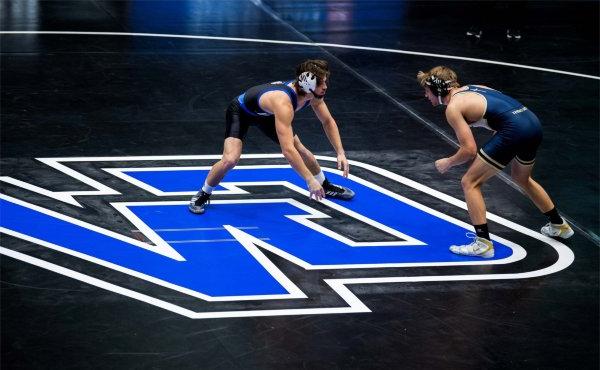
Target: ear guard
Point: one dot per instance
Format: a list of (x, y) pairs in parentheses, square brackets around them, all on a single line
[(307, 82), (438, 87)]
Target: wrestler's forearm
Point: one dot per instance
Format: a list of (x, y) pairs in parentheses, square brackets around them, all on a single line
[(295, 160), (333, 135), (463, 155)]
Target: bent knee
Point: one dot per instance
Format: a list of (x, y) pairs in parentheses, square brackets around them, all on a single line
[(230, 161), (298, 143), (301, 148), (468, 182)]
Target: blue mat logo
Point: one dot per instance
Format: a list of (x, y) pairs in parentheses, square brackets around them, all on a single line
[(222, 257)]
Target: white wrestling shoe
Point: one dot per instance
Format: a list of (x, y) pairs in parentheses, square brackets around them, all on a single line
[(563, 230), (479, 247)]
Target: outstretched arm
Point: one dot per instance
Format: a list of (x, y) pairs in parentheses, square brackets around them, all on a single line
[(333, 134), (284, 113), (468, 147)]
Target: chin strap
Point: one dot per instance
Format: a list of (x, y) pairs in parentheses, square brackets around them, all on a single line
[(317, 95)]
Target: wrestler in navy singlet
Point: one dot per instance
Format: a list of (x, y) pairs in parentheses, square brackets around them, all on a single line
[(245, 111), (518, 130)]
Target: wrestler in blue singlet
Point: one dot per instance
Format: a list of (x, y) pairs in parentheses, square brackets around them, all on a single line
[(245, 111), (518, 130)]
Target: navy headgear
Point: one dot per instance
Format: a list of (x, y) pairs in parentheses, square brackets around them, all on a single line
[(438, 87)]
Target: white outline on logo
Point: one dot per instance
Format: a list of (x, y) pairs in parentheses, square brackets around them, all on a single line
[(565, 255)]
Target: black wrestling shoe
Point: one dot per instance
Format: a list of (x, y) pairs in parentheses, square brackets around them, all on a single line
[(337, 191), (199, 202)]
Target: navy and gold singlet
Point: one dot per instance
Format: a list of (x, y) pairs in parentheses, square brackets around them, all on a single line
[(518, 130)]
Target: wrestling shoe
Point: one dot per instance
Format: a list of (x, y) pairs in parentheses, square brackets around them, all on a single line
[(337, 191), (513, 34), (474, 32), (479, 247), (199, 202), (563, 230)]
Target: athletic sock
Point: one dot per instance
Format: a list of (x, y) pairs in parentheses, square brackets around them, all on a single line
[(320, 177), (482, 231), (554, 217), (207, 188)]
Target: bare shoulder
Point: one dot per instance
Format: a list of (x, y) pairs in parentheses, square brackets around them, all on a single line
[(467, 100), (276, 96), (469, 106), (275, 100), (455, 107)]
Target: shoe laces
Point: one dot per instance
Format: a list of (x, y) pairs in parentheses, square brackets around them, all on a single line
[(332, 188), (202, 198), (473, 238)]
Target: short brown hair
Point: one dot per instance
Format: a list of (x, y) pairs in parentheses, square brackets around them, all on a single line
[(318, 67), (442, 72)]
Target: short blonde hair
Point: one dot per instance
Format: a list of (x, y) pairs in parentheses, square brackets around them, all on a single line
[(442, 72)]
